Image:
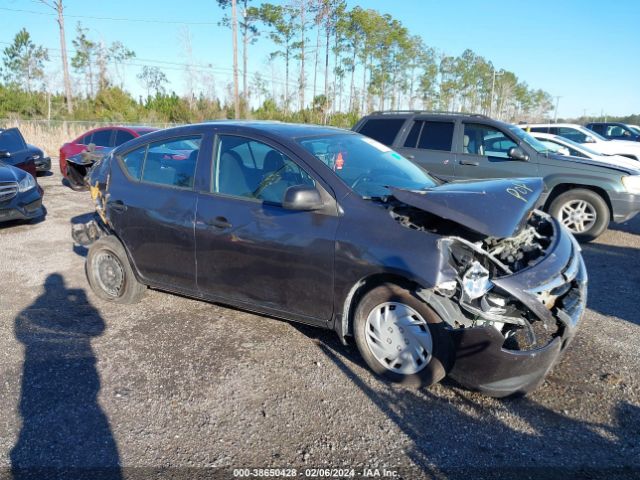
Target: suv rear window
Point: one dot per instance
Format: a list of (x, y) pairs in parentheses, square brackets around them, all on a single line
[(430, 136), (383, 130)]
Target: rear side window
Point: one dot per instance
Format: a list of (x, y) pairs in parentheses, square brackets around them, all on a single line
[(436, 136), (123, 136), (134, 160), (101, 138), (431, 136), (383, 130), (172, 162)]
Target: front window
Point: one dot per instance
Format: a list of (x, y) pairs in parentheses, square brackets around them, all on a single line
[(251, 169), (367, 166), (487, 141)]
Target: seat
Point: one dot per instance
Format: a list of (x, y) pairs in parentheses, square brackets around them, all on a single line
[(273, 162), (231, 177), (465, 144)]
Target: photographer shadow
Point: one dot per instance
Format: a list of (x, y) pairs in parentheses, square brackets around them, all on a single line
[(65, 433)]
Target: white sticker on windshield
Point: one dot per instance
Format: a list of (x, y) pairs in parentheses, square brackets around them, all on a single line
[(378, 145)]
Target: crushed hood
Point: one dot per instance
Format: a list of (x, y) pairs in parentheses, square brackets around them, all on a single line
[(496, 208)]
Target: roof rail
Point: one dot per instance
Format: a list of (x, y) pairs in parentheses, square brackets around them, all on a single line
[(428, 112)]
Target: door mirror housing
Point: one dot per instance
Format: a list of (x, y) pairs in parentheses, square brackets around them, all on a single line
[(589, 140), (518, 154), (5, 154), (303, 198)]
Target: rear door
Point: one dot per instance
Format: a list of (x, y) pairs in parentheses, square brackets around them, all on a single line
[(152, 205), (429, 144), (485, 155), (14, 151)]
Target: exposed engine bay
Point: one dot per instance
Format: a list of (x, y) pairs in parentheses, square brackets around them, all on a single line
[(469, 298)]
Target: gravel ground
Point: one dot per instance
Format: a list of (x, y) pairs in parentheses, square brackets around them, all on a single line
[(172, 385)]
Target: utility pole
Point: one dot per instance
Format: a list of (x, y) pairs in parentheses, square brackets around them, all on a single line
[(234, 28), (555, 114), (59, 8)]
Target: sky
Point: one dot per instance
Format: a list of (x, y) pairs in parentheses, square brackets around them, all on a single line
[(585, 52)]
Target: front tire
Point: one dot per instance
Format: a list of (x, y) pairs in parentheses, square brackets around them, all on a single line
[(401, 338), (583, 212), (109, 272)]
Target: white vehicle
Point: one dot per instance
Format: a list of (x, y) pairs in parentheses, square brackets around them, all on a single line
[(564, 146), (582, 135)]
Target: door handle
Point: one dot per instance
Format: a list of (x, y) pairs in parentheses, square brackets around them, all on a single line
[(411, 157), (473, 163), (117, 206), (219, 222)]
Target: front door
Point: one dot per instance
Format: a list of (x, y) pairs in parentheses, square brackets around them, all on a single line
[(250, 249), (485, 155), (152, 205)]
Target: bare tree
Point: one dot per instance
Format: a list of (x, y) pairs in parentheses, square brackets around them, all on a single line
[(234, 28), (58, 6)]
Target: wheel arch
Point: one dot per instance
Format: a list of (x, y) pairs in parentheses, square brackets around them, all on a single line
[(561, 188), (344, 327)]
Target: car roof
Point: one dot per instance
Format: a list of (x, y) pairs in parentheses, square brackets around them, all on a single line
[(289, 130)]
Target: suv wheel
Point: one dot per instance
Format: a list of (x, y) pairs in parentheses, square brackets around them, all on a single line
[(110, 274), (583, 212), (401, 338)]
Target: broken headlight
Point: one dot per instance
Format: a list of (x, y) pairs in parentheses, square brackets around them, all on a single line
[(475, 281)]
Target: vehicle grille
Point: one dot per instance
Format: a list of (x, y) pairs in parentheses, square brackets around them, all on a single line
[(8, 190)]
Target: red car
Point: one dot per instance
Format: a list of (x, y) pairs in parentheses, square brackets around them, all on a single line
[(104, 138)]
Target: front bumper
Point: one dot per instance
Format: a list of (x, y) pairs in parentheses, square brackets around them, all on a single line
[(481, 361), (29, 211), (625, 206), (43, 164)]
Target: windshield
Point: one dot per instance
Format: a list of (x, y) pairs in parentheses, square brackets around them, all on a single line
[(366, 166), (534, 143)]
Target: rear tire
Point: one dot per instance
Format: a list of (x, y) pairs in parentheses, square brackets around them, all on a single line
[(401, 338), (109, 272), (583, 212)]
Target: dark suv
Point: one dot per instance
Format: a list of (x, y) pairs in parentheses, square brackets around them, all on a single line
[(583, 194), (333, 229), (615, 130)]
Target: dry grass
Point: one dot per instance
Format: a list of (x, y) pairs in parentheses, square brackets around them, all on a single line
[(50, 135)]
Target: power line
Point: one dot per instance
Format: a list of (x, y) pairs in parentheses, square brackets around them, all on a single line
[(114, 19)]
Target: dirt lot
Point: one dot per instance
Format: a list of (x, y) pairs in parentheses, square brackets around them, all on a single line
[(174, 383)]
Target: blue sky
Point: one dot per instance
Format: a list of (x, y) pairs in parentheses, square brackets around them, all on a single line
[(585, 51)]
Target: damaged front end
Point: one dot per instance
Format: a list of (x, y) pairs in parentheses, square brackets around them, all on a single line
[(512, 303)]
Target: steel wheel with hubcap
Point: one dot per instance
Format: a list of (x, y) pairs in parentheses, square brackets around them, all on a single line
[(583, 212), (401, 338)]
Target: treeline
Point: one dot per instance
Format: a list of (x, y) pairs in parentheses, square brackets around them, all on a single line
[(336, 64)]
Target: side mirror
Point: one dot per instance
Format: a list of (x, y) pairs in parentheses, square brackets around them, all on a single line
[(589, 140), (518, 154), (5, 154), (302, 197)]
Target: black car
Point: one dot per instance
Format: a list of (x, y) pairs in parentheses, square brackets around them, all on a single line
[(615, 130), (15, 151), (20, 196), (584, 194), (330, 228)]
